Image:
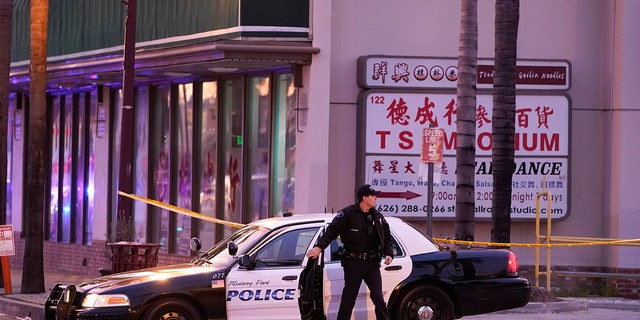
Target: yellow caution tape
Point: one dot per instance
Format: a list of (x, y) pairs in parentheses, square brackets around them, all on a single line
[(179, 210), (545, 245), (201, 216)]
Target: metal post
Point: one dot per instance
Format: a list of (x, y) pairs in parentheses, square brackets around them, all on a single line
[(6, 274), (429, 198), (548, 242), (430, 195), (536, 269), (129, 54), (124, 205), (429, 152)]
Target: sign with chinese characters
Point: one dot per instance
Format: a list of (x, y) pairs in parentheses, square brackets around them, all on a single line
[(404, 191), (432, 73), (393, 140), (394, 122), (7, 244)]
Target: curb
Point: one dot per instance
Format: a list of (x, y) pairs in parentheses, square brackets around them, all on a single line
[(21, 308), (571, 305), (552, 307), (633, 305)]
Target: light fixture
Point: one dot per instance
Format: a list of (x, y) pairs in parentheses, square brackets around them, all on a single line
[(223, 69), (17, 125), (177, 74), (101, 120)]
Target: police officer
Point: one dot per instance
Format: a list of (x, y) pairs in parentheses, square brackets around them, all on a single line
[(366, 238)]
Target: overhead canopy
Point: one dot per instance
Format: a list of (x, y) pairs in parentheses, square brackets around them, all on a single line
[(190, 38), (197, 61)]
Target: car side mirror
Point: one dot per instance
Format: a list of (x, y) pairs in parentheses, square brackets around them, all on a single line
[(245, 261), (232, 247), (195, 245)]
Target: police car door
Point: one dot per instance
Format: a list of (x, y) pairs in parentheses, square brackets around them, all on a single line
[(392, 275), (265, 286)]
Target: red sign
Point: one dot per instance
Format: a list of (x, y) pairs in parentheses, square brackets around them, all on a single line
[(7, 245), (432, 139)]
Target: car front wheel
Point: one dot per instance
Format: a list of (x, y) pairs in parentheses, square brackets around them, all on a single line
[(425, 303), (172, 309)]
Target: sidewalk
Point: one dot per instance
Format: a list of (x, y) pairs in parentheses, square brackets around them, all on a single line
[(18, 304), (21, 305)]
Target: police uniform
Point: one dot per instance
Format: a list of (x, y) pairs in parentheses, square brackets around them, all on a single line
[(366, 240)]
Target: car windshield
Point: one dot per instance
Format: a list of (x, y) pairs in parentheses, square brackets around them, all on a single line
[(245, 238)]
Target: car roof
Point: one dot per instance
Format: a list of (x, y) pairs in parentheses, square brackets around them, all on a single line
[(403, 230), (301, 218), (276, 222)]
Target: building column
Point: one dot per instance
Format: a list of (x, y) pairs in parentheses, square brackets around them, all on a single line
[(624, 149), (312, 138)]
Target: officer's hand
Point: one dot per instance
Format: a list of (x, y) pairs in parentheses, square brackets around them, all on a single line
[(388, 260), (314, 252)]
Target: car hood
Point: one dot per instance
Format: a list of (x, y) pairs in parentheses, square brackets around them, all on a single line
[(180, 273)]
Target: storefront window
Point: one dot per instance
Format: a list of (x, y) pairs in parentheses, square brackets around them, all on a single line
[(55, 168), (209, 160), (258, 135), (159, 138), (184, 129), (246, 156), (141, 180), (66, 168), (284, 149), (232, 141), (90, 163), (78, 200), (15, 124), (67, 220)]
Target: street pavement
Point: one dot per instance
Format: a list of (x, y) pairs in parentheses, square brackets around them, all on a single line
[(23, 305), (590, 314)]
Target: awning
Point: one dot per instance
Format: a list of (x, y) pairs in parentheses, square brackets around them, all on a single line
[(198, 61)]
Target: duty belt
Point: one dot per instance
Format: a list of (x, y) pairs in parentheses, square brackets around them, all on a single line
[(366, 256)]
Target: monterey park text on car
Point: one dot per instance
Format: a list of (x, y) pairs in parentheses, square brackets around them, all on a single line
[(261, 272)]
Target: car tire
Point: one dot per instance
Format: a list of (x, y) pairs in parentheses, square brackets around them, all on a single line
[(172, 309), (420, 298)]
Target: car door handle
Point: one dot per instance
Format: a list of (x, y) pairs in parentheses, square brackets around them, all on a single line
[(289, 278), (392, 268)]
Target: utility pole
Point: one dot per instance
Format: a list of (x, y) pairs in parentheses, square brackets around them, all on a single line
[(123, 121), (129, 54)]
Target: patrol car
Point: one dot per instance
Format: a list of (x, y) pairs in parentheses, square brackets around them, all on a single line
[(261, 272)]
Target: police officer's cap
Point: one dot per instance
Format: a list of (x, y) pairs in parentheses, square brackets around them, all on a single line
[(366, 190)]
